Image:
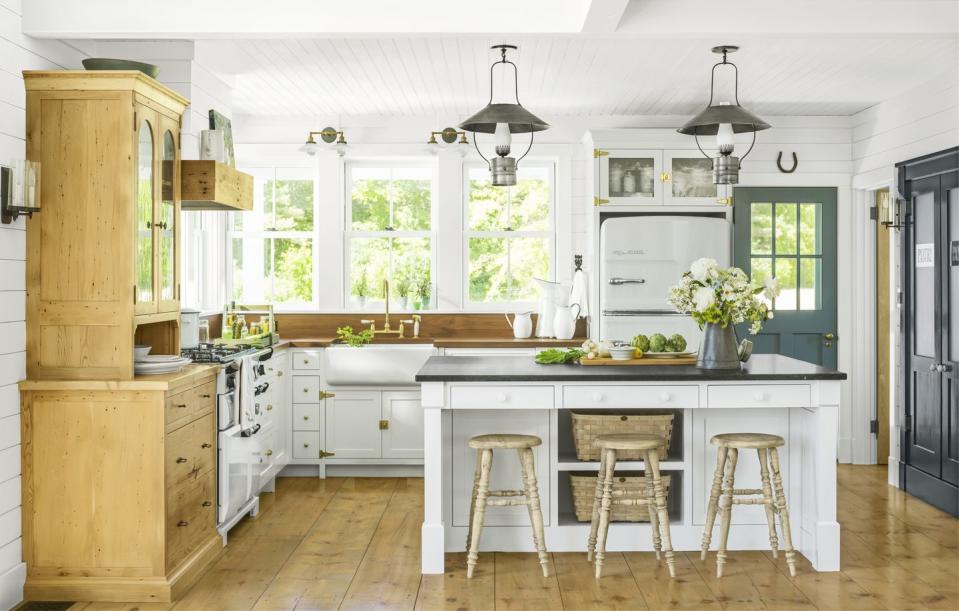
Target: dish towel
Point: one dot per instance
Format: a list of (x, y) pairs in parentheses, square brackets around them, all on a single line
[(580, 293), (246, 393)]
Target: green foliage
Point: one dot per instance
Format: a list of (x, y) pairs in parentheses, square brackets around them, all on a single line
[(554, 356), (354, 340)]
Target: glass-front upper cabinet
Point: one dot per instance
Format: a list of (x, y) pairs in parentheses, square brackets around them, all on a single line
[(168, 220), (630, 177), (688, 178), (146, 299)]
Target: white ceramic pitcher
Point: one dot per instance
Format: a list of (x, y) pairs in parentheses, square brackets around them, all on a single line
[(564, 321), (522, 324)]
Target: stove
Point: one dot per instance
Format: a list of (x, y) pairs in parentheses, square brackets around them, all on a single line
[(217, 353)]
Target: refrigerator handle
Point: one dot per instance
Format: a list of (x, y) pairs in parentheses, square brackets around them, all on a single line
[(616, 281)]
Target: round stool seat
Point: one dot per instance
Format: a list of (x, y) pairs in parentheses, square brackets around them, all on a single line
[(504, 441), (628, 441), (747, 440)]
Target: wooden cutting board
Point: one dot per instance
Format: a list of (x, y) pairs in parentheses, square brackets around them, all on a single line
[(646, 360)]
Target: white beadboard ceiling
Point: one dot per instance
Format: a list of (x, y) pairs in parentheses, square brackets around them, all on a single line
[(573, 75)]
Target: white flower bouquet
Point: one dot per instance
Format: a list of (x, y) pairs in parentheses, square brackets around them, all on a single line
[(723, 296)]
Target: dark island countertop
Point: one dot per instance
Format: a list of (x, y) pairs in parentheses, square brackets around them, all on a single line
[(524, 369)]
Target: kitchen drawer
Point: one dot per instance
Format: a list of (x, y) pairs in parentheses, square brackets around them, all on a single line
[(307, 359), (191, 518), (306, 389), (306, 417), (190, 451), (630, 397), (190, 404), (306, 444), (759, 395), (500, 397)]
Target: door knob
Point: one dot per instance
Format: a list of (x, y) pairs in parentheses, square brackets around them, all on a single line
[(829, 336), (943, 368)]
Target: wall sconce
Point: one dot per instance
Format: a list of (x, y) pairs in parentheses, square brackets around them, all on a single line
[(888, 210), (19, 190), (448, 135), (327, 135)]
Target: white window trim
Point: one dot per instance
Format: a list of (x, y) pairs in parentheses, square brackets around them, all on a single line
[(549, 234), (348, 233)]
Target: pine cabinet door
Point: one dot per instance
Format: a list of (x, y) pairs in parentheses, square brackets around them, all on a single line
[(168, 217), (145, 210), (403, 435), (353, 424)]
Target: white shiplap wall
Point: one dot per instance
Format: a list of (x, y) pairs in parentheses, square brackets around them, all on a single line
[(17, 52)]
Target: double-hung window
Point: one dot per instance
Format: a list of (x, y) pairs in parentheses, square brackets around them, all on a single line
[(390, 217), (271, 247), (510, 235)]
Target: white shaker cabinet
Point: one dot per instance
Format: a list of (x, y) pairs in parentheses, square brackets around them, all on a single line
[(403, 435), (353, 424)]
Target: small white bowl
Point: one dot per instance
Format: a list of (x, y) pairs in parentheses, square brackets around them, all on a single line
[(622, 353), (140, 350)]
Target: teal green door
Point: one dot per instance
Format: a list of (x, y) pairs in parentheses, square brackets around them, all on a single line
[(790, 233)]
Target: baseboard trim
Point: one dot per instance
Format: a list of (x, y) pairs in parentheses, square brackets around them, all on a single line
[(374, 471), (844, 451), (11, 586), (893, 473)]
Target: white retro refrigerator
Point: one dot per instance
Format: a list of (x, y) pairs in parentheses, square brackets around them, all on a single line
[(641, 257)]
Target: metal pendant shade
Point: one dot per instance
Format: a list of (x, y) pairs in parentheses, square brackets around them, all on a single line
[(520, 120), (707, 122)]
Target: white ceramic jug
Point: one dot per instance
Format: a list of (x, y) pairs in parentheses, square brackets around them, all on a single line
[(564, 321), (522, 324)]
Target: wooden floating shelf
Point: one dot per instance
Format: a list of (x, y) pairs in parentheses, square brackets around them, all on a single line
[(211, 185)]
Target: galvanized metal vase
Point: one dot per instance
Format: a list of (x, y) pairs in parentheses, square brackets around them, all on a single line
[(719, 349)]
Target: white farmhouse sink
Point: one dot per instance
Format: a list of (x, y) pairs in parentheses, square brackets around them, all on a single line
[(375, 364)]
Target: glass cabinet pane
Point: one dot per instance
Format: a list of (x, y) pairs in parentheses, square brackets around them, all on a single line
[(632, 177), (167, 230), (144, 214), (692, 177)]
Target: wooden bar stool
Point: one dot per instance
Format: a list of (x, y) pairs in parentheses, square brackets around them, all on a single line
[(604, 498), (729, 445), (529, 496)]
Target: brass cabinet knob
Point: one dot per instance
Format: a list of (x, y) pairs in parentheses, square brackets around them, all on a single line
[(306, 417), (384, 425), (269, 452), (306, 390), (306, 361), (306, 445), (180, 460), (269, 408), (180, 405), (279, 373), (205, 396)]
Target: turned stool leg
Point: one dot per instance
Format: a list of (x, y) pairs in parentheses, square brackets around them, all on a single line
[(652, 464), (533, 505), (651, 509), (597, 497), (768, 502), (605, 510), (727, 508), (476, 477), (713, 505), (476, 520), (782, 511)]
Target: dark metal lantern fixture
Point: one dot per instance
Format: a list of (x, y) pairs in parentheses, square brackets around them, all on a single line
[(723, 120), (503, 120)]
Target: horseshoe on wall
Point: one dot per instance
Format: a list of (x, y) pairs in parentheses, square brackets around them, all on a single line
[(779, 163)]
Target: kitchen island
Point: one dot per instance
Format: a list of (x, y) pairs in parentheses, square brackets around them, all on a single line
[(463, 396)]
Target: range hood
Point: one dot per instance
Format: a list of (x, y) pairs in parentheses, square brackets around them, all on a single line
[(211, 185)]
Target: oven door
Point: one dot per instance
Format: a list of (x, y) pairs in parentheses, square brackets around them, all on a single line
[(235, 477)]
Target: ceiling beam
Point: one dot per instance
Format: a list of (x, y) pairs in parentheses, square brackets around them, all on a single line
[(604, 15)]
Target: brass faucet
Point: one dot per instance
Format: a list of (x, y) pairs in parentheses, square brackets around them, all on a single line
[(386, 330)]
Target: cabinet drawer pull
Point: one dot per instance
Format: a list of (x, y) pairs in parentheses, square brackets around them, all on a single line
[(598, 397), (180, 405), (306, 445), (180, 460), (182, 523), (306, 361), (306, 417), (760, 396), (206, 396), (269, 408), (206, 445), (502, 397), (279, 373), (665, 397), (207, 503), (306, 390)]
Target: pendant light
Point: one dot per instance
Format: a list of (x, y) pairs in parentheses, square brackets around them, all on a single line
[(723, 120), (503, 120)]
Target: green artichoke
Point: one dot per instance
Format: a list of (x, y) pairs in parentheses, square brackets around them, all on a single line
[(641, 342), (677, 343), (657, 343)]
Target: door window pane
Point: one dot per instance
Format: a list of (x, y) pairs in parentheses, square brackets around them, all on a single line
[(761, 228), (924, 297), (760, 269), (810, 281), (786, 276), (693, 177), (953, 306), (786, 226), (810, 229), (167, 233), (145, 214), (631, 177)]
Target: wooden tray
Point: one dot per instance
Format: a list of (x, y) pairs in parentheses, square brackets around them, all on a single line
[(646, 360)]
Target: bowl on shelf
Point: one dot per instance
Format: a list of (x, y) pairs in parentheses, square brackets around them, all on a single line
[(106, 63), (622, 353), (140, 351)]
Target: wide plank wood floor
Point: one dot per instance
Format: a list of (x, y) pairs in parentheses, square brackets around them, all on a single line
[(354, 544)]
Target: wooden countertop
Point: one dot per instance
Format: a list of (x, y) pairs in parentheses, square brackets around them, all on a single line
[(189, 375), (444, 342)]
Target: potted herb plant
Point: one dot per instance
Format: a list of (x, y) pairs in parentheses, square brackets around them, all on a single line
[(718, 298), (360, 290), (402, 290)]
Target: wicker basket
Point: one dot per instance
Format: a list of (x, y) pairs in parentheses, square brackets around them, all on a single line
[(587, 426), (584, 486)]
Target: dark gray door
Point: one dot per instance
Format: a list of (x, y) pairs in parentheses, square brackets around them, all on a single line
[(790, 233)]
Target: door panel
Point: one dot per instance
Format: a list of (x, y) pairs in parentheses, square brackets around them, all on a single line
[(404, 436), (631, 177), (790, 234), (688, 178), (168, 239), (950, 319), (925, 437), (352, 424)]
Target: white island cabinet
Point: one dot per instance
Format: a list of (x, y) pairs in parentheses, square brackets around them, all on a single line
[(464, 396)]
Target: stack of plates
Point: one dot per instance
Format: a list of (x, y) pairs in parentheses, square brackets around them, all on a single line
[(159, 363)]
